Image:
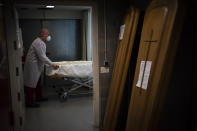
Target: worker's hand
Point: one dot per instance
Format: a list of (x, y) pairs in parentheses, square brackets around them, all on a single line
[(55, 66)]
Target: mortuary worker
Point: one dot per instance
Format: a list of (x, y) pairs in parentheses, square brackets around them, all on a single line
[(34, 65)]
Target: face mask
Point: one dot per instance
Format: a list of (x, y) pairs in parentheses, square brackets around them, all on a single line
[(48, 38)]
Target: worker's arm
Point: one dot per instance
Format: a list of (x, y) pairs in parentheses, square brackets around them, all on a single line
[(40, 51)]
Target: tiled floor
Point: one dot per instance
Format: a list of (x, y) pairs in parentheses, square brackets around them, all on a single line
[(75, 114)]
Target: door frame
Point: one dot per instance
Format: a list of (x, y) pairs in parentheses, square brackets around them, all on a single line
[(15, 64), (95, 55)]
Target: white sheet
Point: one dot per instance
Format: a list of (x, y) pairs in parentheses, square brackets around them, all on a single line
[(79, 69)]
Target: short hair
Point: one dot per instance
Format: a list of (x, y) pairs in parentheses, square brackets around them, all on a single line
[(43, 31)]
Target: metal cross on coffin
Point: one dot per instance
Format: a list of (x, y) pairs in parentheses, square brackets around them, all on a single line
[(149, 43)]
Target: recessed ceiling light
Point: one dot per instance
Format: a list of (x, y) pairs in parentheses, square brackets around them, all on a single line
[(50, 6)]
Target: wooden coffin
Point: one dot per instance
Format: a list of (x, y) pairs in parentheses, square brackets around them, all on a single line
[(159, 40), (120, 69)]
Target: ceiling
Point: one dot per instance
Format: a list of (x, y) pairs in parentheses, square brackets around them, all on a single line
[(37, 7)]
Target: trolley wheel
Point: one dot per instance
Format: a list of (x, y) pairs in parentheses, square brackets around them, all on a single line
[(63, 96)]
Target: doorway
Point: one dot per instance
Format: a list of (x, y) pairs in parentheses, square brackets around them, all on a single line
[(75, 55)]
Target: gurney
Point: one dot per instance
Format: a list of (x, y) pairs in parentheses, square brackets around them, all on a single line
[(77, 72)]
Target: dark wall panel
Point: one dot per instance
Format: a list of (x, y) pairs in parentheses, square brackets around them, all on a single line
[(5, 96), (177, 111), (141, 4), (30, 31), (65, 43)]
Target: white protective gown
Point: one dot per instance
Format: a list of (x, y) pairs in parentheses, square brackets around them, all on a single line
[(34, 63)]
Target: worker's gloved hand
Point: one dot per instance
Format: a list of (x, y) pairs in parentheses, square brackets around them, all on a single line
[(55, 66)]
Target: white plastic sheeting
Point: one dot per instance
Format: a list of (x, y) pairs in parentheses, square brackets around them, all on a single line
[(76, 69)]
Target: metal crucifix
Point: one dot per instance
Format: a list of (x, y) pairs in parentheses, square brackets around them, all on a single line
[(149, 43)]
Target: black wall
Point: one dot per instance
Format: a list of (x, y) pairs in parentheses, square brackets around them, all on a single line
[(66, 40), (180, 104)]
